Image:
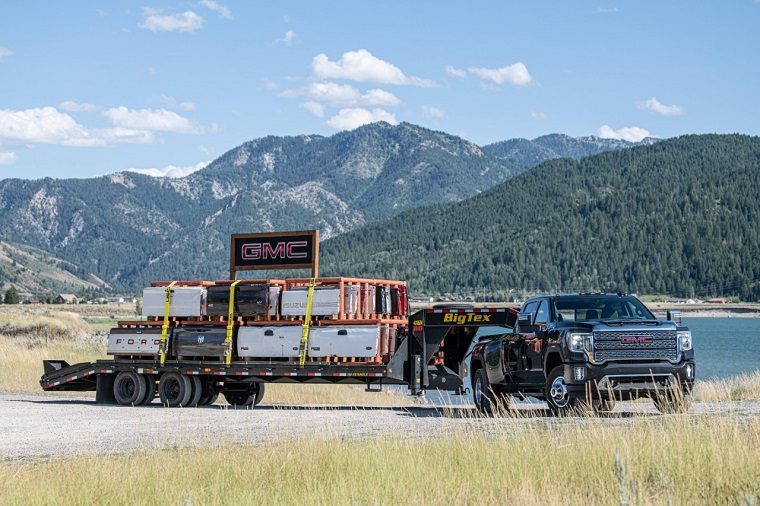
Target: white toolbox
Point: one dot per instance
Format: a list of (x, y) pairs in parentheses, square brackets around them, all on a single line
[(344, 341), (133, 341), (266, 342), (186, 301), (325, 302)]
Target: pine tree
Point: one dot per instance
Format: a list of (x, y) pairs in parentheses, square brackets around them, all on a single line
[(11, 295)]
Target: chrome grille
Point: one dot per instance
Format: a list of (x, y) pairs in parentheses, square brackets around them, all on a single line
[(608, 345)]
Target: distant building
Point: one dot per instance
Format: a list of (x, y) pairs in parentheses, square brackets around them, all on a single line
[(66, 298), (718, 300), (116, 300)]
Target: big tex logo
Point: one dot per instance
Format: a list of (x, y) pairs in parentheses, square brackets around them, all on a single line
[(464, 318)]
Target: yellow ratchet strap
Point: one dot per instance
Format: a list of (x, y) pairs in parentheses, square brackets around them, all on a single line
[(230, 325), (165, 326), (306, 321)]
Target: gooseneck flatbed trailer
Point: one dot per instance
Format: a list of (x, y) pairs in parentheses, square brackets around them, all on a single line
[(430, 356)]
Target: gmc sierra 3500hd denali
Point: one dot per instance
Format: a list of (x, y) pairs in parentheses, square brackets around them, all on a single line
[(585, 351)]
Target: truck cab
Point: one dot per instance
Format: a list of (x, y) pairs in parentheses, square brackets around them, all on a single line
[(586, 351)]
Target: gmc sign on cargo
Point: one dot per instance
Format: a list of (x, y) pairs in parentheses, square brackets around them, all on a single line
[(280, 250)]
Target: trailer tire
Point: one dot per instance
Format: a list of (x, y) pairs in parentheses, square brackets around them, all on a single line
[(238, 398), (197, 389), (258, 393), (210, 393), (207, 400), (129, 388), (174, 389), (150, 391)]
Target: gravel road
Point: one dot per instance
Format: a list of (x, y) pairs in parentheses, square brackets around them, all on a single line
[(37, 426)]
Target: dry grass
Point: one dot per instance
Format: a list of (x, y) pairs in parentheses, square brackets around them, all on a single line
[(667, 460), (744, 387)]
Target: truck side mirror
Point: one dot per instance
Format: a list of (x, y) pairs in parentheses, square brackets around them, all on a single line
[(674, 315), (525, 321)]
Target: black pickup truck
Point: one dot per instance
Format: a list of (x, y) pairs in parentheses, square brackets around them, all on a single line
[(585, 351)]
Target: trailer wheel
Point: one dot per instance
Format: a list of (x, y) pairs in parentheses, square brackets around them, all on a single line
[(129, 388), (197, 388), (482, 394), (174, 389), (238, 398), (210, 393), (150, 391), (258, 393), (207, 400)]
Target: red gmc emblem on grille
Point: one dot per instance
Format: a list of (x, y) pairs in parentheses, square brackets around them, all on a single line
[(635, 339)]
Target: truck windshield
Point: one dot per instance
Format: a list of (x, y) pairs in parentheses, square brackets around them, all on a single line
[(600, 308)]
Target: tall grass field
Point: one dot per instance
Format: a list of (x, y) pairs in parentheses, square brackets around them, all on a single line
[(668, 460)]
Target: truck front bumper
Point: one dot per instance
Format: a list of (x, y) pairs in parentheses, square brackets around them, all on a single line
[(628, 381)]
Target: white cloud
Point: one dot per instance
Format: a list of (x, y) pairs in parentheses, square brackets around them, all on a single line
[(348, 119), (433, 112), (47, 125), (7, 157), (630, 134), (288, 39), (344, 95), (363, 66), (170, 170), (220, 9), (606, 10), (71, 106), (151, 119), (4, 52), (538, 114), (516, 74), (315, 108), (154, 21), (173, 102), (455, 72), (665, 110)]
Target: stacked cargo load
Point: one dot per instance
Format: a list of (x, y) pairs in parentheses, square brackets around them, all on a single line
[(351, 320)]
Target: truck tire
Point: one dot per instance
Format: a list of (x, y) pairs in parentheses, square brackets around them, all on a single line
[(197, 388), (174, 389), (561, 402), (150, 391), (672, 401), (129, 388), (258, 393), (482, 394)]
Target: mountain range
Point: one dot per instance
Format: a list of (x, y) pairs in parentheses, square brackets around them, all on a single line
[(679, 217), (127, 228)]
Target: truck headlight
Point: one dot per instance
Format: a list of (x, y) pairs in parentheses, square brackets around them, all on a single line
[(684, 339), (580, 342)]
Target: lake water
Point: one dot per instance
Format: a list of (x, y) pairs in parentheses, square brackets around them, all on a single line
[(725, 347)]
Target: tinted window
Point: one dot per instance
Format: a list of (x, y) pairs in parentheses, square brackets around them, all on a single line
[(543, 313), (601, 308), (530, 307)]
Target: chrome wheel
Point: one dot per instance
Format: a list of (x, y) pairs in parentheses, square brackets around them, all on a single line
[(559, 392)]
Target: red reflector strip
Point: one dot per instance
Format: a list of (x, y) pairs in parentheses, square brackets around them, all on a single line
[(265, 373), (288, 373), (341, 374)]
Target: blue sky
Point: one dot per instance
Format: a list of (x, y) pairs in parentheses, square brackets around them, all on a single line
[(90, 88)]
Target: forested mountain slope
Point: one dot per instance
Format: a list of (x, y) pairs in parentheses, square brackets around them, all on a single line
[(681, 216)]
